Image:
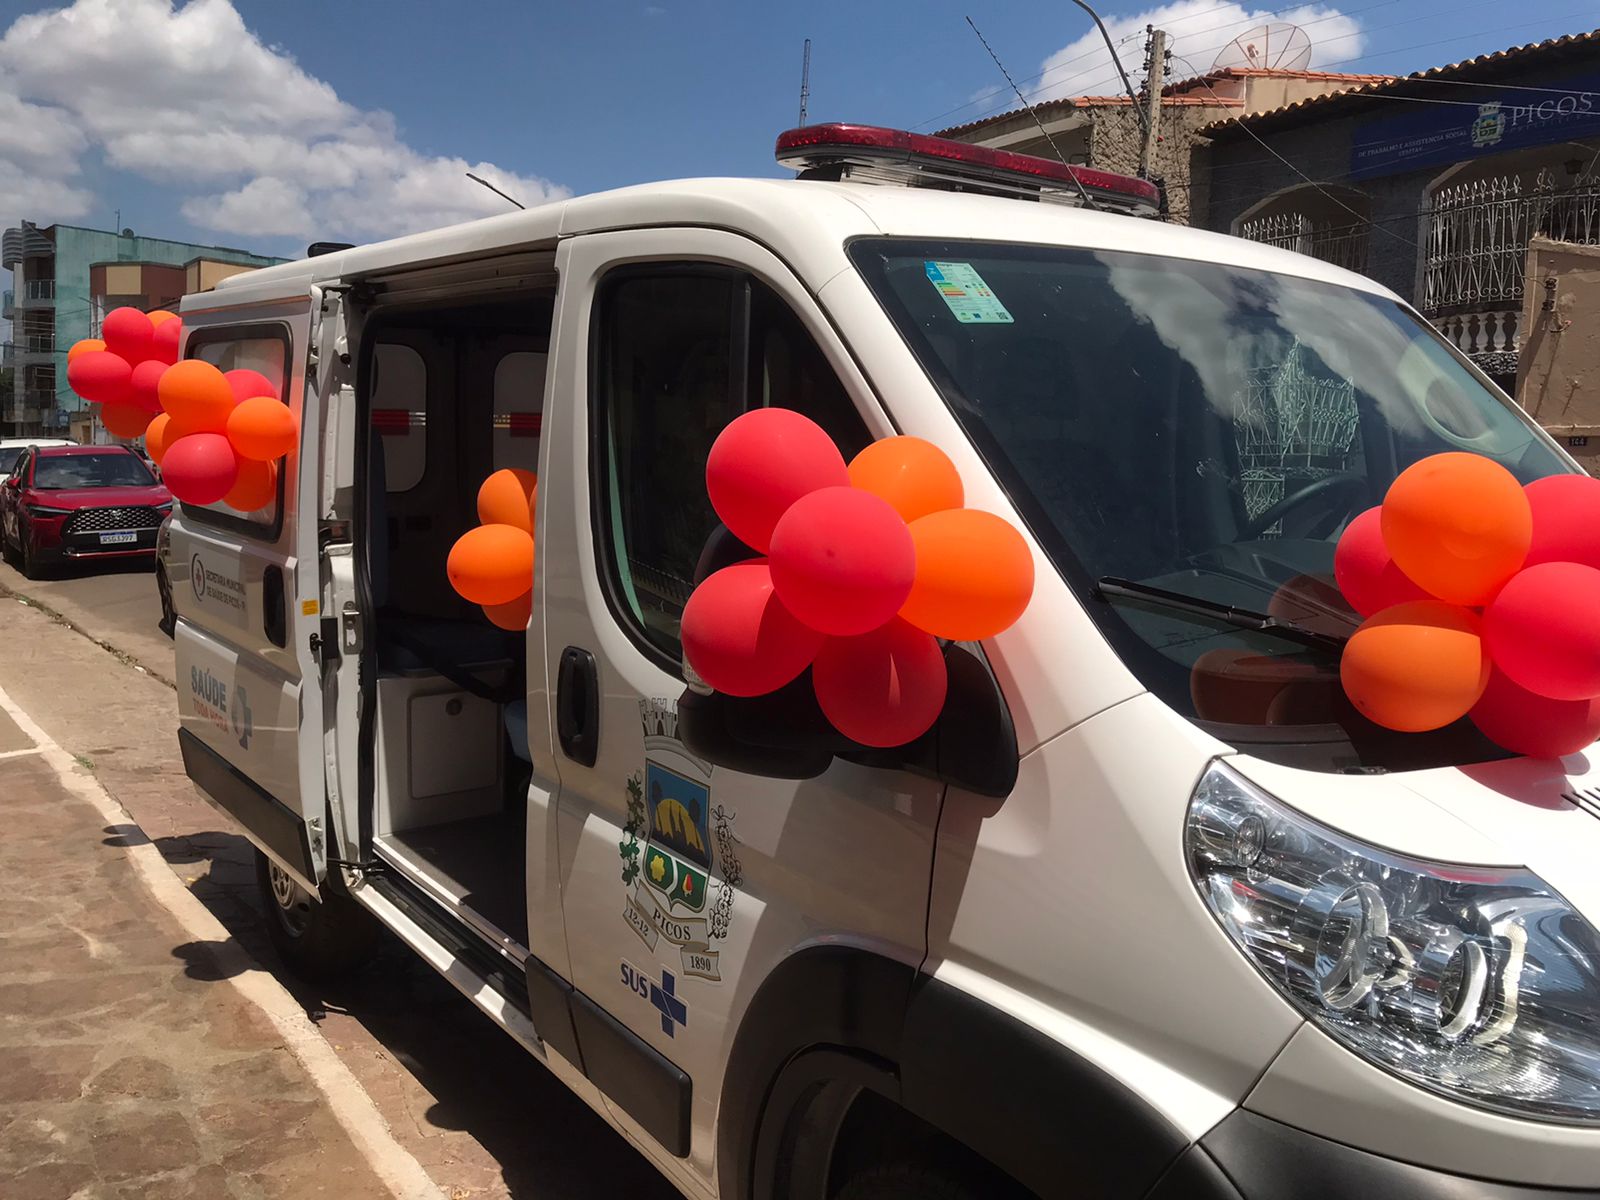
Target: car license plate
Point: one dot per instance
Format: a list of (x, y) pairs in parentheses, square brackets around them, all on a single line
[(117, 539)]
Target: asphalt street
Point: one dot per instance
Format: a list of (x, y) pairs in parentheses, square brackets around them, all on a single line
[(82, 654)]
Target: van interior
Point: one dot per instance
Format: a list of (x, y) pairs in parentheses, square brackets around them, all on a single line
[(448, 392)]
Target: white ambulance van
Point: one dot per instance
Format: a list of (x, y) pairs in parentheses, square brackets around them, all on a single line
[(1150, 912)]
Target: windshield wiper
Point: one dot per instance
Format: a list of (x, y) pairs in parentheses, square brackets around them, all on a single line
[(1109, 587)]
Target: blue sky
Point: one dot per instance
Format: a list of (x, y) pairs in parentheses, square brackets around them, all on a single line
[(264, 123)]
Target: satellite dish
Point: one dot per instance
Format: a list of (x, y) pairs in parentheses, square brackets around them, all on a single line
[(1278, 46)]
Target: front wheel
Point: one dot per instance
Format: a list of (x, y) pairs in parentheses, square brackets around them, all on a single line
[(31, 567), (320, 937)]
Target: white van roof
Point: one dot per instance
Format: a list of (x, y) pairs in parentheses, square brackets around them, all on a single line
[(805, 222)]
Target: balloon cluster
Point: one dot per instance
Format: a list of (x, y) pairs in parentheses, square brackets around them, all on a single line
[(219, 435), (118, 370), (1481, 599), (492, 565), (215, 436), (862, 569)]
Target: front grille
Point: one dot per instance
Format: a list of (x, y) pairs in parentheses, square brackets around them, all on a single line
[(101, 520), (1587, 799)]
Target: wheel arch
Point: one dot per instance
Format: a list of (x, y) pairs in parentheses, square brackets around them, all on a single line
[(830, 1023)]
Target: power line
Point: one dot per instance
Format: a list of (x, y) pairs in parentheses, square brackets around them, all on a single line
[(1325, 192)]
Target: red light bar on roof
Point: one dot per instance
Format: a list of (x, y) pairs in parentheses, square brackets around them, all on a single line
[(939, 161)]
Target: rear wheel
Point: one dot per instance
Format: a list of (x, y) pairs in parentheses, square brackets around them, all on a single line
[(7, 551), (169, 616), (321, 936)]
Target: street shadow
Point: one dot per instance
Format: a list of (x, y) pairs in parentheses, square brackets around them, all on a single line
[(212, 962), (124, 836), (482, 1082), (85, 568)]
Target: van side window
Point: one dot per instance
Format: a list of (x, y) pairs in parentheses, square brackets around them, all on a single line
[(400, 413), (681, 352), (518, 409), (256, 349)]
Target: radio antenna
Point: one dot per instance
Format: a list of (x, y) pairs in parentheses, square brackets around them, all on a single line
[(1088, 201), (805, 82)]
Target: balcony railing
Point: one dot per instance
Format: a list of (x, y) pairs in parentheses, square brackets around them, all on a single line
[(7, 304), (35, 291), (34, 343)]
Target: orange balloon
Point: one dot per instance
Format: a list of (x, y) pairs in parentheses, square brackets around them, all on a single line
[(84, 346), (1416, 666), (974, 575), (160, 317), (506, 498), (1458, 525), (124, 420), (256, 487), (197, 397), (263, 429), (155, 437), (492, 564), (514, 614), (914, 476)]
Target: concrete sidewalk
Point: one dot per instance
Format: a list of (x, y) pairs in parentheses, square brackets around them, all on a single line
[(129, 1065)]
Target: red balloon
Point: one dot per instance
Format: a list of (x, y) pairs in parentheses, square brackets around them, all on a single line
[(128, 334), (143, 382), (843, 560), (100, 377), (1527, 723), (1368, 578), (164, 342), (1543, 630), (246, 384), (738, 636), (1566, 520), (200, 468), (762, 463), (883, 688)]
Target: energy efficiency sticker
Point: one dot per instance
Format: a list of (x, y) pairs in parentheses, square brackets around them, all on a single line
[(967, 296)]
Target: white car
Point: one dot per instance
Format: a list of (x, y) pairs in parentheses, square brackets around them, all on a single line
[(11, 450), (1151, 912)]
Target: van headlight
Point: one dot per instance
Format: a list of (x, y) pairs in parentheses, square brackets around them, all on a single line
[(1480, 983)]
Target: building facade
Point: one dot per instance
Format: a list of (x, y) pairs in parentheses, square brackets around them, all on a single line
[(64, 280), (1434, 184), (1105, 131)]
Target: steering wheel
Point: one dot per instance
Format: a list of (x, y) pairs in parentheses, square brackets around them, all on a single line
[(1340, 481)]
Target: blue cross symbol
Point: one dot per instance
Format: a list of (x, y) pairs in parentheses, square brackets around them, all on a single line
[(665, 999)]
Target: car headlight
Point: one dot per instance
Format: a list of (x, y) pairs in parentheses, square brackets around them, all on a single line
[(44, 510), (1480, 983)]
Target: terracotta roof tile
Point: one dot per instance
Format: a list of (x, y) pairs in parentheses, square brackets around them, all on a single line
[(1291, 113)]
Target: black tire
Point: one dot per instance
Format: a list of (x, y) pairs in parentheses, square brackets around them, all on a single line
[(914, 1181), (169, 617), (8, 552), (319, 937), (31, 567)]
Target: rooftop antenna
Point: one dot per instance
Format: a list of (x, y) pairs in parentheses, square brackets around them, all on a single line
[(1277, 46), (495, 190), (805, 82)]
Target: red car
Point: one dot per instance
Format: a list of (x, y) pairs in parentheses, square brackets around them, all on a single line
[(69, 503)]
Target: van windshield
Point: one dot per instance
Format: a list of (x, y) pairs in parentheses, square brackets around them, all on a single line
[(1187, 441)]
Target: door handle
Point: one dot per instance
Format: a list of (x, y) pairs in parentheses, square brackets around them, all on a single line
[(578, 705)]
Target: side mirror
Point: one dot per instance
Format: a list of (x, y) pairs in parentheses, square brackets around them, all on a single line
[(785, 735), (10, 483)]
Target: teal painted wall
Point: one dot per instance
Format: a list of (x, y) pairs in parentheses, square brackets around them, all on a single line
[(77, 249)]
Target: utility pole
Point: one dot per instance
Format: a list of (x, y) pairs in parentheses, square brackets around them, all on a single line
[(805, 82), (1155, 64)]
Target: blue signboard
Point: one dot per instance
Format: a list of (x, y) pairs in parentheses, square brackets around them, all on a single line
[(1481, 120)]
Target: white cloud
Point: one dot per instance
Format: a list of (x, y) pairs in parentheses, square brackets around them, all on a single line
[(1198, 29), (190, 98)]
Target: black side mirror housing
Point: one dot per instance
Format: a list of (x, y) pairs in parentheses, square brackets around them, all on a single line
[(785, 735)]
